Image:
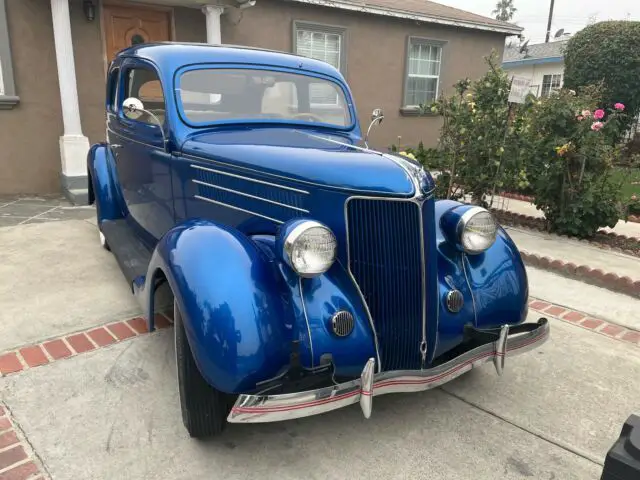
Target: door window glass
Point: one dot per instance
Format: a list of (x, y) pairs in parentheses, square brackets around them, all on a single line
[(144, 84)]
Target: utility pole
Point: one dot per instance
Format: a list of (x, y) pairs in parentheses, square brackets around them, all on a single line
[(549, 22)]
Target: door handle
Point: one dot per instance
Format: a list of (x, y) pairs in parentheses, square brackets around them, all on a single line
[(115, 146)]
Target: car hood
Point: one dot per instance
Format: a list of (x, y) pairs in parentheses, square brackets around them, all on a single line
[(304, 157)]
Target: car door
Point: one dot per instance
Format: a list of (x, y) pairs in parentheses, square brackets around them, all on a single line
[(141, 157)]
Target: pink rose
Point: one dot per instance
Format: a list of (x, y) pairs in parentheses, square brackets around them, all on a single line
[(586, 113), (619, 106), (598, 114), (597, 126), (580, 118)]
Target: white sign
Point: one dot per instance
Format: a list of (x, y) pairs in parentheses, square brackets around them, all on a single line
[(520, 88)]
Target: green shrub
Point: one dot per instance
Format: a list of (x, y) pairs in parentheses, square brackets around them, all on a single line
[(607, 52), (569, 159), (472, 143)]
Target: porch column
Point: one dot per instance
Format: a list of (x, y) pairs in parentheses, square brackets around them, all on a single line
[(212, 15), (74, 146)]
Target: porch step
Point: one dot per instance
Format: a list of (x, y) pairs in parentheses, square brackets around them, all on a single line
[(132, 255)]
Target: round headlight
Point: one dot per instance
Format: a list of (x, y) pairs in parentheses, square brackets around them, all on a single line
[(477, 230), (310, 248)]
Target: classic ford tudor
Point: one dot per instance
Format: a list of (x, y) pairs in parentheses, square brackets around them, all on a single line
[(308, 271)]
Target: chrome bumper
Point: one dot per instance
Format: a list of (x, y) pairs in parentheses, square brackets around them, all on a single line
[(273, 408)]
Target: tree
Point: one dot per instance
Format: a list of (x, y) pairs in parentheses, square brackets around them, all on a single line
[(607, 52), (504, 10)]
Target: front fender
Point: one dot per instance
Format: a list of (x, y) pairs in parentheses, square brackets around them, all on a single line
[(494, 284), (104, 190), (233, 304)]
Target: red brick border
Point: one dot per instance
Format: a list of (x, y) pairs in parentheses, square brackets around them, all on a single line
[(527, 198), (583, 320), (594, 276), (17, 459), (534, 223), (70, 345)]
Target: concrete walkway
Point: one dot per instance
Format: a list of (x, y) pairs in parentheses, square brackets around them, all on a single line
[(573, 251), (56, 278), (630, 229), (598, 302)]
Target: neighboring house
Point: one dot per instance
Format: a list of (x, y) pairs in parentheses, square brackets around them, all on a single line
[(54, 54), (543, 63)]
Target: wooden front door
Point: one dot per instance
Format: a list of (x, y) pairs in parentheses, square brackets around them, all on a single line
[(127, 26)]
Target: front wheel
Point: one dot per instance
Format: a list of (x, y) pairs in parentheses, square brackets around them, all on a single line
[(204, 409)]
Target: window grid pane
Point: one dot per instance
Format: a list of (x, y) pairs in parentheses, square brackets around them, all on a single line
[(423, 73), (322, 46), (325, 47)]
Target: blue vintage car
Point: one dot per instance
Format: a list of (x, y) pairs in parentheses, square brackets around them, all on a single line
[(309, 272)]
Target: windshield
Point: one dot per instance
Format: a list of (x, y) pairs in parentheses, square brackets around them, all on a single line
[(211, 95)]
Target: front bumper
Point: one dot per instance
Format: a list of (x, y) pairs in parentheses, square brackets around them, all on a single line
[(272, 408)]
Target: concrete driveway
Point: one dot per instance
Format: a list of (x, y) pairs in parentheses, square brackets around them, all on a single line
[(113, 412)]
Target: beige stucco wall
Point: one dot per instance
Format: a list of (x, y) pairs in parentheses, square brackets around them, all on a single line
[(376, 51), (29, 133)]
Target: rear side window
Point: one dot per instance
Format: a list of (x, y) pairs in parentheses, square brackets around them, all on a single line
[(112, 87), (144, 84)]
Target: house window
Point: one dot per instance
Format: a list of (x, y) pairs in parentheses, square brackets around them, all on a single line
[(324, 43), (321, 42), (424, 59), (550, 83), (8, 98)]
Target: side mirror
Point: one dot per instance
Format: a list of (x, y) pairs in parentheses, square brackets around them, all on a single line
[(376, 118), (133, 108)]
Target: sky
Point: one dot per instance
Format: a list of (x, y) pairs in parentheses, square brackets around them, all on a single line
[(572, 15)]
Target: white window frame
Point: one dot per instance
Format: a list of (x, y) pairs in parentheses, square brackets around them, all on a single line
[(551, 87), (8, 97), (411, 41)]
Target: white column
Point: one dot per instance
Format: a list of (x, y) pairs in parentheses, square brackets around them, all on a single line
[(73, 144), (212, 14)]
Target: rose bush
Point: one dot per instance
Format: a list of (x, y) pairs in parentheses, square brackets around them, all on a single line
[(569, 159)]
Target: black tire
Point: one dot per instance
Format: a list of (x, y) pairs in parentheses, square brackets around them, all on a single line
[(204, 409)]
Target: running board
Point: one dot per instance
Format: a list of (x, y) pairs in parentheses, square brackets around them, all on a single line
[(132, 255)]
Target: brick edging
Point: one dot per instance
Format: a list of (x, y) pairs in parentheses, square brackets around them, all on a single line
[(527, 198), (584, 320), (594, 276), (73, 344), (17, 459), (529, 221)]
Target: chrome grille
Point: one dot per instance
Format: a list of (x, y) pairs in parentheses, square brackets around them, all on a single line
[(385, 258)]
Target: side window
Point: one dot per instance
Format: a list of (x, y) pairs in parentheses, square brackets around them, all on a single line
[(422, 78), (144, 84), (111, 90), (551, 83)]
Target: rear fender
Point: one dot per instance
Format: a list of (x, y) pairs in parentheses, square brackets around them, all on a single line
[(235, 307), (104, 189)]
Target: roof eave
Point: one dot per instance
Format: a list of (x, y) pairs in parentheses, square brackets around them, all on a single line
[(375, 10), (532, 61)]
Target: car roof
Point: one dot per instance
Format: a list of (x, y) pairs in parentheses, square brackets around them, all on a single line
[(173, 55)]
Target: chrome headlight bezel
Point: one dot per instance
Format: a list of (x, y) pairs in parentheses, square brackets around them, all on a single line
[(463, 228), (291, 241)]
